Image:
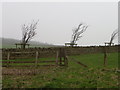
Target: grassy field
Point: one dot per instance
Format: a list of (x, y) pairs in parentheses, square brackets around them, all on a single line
[(40, 59), (73, 76)]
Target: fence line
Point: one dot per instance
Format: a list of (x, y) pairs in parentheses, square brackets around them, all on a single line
[(35, 61), (50, 52)]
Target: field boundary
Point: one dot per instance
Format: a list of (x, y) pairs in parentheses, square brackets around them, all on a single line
[(60, 60), (51, 52)]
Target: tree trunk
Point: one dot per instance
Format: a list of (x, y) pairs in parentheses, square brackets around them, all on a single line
[(72, 44)]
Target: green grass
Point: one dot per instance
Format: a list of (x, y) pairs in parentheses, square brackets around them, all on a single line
[(73, 76), (40, 59), (96, 60)]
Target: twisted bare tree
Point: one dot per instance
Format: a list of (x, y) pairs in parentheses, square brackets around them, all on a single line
[(114, 34), (28, 32), (77, 33)]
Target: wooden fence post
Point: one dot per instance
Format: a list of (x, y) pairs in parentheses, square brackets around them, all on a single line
[(57, 58), (60, 56), (8, 58), (105, 56), (66, 61), (63, 61), (36, 59)]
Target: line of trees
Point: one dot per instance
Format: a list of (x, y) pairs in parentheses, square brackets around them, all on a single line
[(29, 31)]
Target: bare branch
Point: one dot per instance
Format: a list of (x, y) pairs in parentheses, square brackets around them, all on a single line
[(114, 34), (77, 32), (28, 32)]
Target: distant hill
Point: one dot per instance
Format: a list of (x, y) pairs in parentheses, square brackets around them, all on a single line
[(10, 43)]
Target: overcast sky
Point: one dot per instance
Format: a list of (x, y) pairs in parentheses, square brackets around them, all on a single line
[(56, 20)]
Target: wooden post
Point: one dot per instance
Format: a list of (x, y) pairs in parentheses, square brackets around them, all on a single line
[(16, 45), (57, 58), (65, 58), (105, 56), (60, 56), (66, 62), (8, 58), (36, 58)]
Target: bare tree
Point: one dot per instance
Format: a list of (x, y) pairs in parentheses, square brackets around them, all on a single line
[(113, 36), (77, 33), (28, 32)]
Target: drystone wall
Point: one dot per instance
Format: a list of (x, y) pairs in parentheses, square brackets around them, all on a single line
[(51, 52)]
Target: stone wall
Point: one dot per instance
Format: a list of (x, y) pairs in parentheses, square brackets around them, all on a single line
[(51, 52)]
